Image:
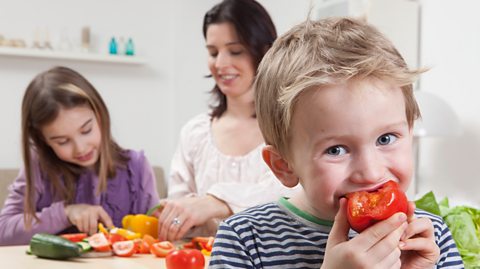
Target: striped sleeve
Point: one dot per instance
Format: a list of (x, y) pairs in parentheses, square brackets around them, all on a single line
[(228, 251)]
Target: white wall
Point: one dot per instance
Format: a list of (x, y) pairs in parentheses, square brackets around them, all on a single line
[(139, 97), (451, 47), (148, 104)]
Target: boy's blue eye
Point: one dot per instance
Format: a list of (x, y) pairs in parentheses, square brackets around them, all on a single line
[(336, 150), (386, 139)]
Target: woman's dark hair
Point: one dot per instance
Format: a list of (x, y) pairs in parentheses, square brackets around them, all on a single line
[(255, 30)]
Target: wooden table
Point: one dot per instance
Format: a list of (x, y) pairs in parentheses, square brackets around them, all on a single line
[(15, 257)]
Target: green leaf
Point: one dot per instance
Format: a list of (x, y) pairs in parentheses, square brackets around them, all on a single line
[(429, 203)]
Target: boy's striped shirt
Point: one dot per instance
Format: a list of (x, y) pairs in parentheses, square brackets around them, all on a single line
[(275, 236)]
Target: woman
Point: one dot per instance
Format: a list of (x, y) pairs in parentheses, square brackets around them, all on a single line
[(217, 169)]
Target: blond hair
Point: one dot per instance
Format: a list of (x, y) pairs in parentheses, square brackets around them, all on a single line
[(319, 53)]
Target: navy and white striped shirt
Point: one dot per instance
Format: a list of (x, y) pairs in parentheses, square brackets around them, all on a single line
[(279, 235)]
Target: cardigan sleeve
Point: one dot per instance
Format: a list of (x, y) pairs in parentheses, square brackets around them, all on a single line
[(12, 225)]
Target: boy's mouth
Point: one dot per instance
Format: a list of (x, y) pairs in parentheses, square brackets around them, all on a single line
[(369, 189)]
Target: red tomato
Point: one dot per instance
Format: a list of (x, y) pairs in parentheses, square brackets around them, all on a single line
[(99, 242), (77, 237), (124, 248), (185, 259), (189, 245), (366, 208), (161, 249), (150, 240), (141, 246), (112, 238)]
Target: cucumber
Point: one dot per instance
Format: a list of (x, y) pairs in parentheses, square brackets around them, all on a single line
[(84, 246), (53, 247)]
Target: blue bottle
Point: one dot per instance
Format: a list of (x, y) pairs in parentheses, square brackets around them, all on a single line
[(113, 46), (129, 47)]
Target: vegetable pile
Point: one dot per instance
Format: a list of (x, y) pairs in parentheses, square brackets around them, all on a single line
[(463, 222), (122, 243)]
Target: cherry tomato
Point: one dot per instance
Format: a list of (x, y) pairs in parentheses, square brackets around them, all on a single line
[(77, 237), (99, 242), (366, 208), (141, 246), (185, 259), (112, 238), (124, 248), (189, 245), (150, 240), (161, 249)]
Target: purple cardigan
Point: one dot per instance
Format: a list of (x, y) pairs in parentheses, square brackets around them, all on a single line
[(132, 191)]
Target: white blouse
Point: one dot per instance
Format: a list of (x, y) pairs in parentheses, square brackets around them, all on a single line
[(199, 168)]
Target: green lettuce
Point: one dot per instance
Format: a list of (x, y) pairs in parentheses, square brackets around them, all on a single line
[(464, 224)]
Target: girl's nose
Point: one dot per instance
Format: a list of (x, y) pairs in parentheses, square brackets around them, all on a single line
[(79, 146), (368, 168)]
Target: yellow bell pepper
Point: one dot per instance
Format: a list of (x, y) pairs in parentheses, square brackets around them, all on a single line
[(129, 235), (141, 224)]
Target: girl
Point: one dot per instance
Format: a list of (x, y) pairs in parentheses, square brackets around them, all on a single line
[(217, 169), (74, 175)]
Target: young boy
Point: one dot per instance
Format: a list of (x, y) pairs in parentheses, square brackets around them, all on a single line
[(335, 104)]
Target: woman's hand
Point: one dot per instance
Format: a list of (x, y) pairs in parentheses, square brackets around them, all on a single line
[(178, 216), (86, 217)]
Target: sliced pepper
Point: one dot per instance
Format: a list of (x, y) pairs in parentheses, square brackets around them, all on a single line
[(129, 235), (141, 224)]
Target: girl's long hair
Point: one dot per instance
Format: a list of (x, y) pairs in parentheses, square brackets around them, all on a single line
[(48, 93)]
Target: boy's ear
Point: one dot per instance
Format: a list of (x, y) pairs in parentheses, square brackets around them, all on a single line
[(279, 166)]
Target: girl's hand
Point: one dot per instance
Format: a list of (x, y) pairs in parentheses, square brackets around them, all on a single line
[(86, 217), (178, 216), (376, 247), (418, 246)]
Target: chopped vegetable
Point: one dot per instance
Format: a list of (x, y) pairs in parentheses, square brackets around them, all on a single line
[(161, 249), (124, 248), (365, 208), (76, 237), (99, 242), (129, 235)]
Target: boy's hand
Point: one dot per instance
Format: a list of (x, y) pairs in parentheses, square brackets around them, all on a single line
[(418, 246), (86, 217), (376, 247)]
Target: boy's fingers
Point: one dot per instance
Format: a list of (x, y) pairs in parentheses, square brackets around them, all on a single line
[(421, 227), (377, 232), (340, 227), (425, 247), (389, 243), (411, 211)]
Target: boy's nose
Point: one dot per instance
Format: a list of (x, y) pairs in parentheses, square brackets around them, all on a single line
[(368, 168)]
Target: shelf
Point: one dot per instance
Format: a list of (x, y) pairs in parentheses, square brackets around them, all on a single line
[(74, 56)]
